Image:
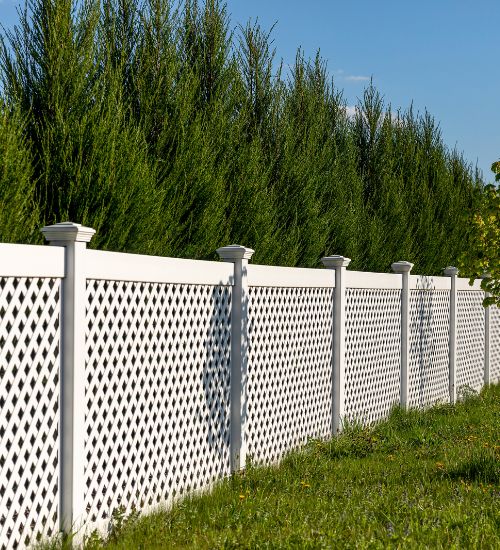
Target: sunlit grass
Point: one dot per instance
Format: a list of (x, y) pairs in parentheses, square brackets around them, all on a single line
[(421, 479)]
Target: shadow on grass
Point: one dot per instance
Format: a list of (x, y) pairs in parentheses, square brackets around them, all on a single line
[(481, 467)]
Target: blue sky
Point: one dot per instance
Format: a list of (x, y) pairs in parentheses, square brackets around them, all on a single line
[(442, 55)]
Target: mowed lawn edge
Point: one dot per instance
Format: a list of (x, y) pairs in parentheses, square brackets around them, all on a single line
[(419, 479)]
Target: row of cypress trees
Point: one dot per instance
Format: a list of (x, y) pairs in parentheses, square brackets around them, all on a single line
[(172, 134)]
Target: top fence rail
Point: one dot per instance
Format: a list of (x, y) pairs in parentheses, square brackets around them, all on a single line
[(23, 260), (20, 260), (118, 266)]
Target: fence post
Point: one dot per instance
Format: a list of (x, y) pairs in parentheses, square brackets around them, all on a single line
[(404, 268), (74, 237), (239, 256), (486, 336), (452, 272), (339, 263)]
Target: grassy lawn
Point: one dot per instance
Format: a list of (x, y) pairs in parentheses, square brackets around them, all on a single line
[(421, 479)]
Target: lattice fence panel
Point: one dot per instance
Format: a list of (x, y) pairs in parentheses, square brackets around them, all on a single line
[(157, 392), (429, 347), (29, 395), (290, 368), (373, 352), (470, 340), (494, 344)]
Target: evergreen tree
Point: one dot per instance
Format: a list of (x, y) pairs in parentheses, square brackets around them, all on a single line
[(172, 134)]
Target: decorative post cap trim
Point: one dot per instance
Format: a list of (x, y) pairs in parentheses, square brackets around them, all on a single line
[(335, 261), (67, 232), (234, 252), (450, 271), (402, 267)]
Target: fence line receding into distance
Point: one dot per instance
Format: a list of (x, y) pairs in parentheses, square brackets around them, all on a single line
[(130, 380)]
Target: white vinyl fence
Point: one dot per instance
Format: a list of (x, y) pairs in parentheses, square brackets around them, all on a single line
[(129, 380)]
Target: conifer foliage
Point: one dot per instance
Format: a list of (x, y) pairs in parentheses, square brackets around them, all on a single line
[(173, 133)]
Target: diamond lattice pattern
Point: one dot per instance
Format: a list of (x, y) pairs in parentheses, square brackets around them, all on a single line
[(157, 392), (429, 363), (289, 370), (29, 394), (373, 364), (494, 344), (470, 340)]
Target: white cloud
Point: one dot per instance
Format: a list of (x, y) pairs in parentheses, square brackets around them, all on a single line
[(356, 78), (397, 118), (342, 75), (350, 111)]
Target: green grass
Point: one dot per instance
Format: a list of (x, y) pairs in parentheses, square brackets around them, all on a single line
[(420, 479)]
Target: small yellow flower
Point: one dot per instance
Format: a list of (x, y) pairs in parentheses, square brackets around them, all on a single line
[(242, 497), (439, 465), (304, 484)]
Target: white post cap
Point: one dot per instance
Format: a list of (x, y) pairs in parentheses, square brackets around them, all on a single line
[(67, 232), (450, 271), (234, 252), (335, 261), (402, 267)]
